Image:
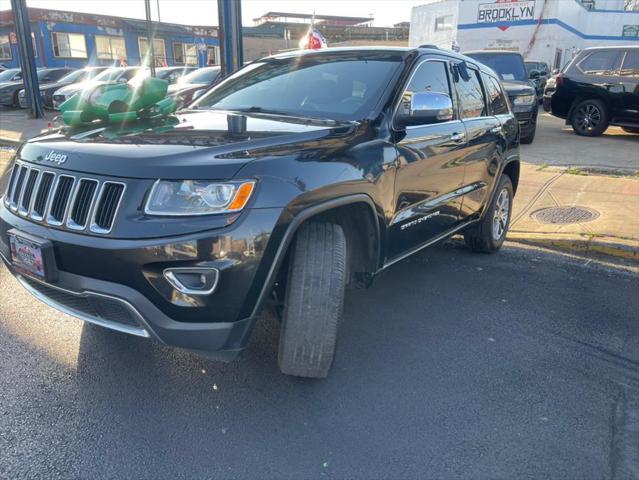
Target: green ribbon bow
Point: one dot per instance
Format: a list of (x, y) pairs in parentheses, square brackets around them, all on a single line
[(119, 103)]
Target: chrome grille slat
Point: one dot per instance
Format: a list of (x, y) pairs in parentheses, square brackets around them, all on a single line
[(42, 196), (64, 200), (17, 188), (12, 180), (81, 203), (60, 199), (27, 194), (107, 206)]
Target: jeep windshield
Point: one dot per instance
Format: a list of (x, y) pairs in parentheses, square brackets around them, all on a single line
[(338, 87), (509, 66)]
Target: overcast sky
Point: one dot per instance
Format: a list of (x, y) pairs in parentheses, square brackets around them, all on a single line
[(204, 12)]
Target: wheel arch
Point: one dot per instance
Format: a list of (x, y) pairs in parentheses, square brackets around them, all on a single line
[(363, 228), (512, 169)]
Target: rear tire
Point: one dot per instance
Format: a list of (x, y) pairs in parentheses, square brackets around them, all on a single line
[(314, 301), (590, 118), (489, 234)]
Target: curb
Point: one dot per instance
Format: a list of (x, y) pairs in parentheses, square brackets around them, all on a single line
[(610, 246), (11, 142)]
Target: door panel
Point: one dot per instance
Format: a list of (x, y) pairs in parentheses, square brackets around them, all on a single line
[(630, 87), (427, 184)]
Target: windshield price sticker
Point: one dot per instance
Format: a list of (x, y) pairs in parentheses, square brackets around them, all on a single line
[(506, 12)]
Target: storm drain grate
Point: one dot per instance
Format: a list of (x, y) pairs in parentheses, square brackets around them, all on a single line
[(564, 215)]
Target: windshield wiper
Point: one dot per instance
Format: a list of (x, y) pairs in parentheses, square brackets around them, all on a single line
[(279, 113)]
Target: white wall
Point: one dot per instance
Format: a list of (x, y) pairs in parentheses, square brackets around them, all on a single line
[(422, 25), (554, 25)]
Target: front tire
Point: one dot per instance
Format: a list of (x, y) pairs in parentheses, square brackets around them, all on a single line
[(590, 118), (314, 301), (488, 236)]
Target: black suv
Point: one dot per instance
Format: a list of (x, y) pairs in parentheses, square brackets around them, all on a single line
[(519, 85), (284, 184), (598, 88)]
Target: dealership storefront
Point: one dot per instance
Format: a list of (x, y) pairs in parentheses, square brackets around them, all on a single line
[(545, 30), (71, 39)]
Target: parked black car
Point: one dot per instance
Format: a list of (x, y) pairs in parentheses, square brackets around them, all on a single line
[(520, 88), (9, 90), (600, 87), (539, 73), (47, 89), (190, 86), (304, 174)]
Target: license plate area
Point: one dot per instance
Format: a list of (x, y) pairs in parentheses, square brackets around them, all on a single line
[(32, 256)]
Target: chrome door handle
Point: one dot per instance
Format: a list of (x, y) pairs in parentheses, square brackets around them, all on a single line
[(496, 129), (457, 137)]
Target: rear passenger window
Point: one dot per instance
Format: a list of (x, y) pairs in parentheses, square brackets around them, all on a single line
[(630, 66), (495, 95), (430, 76), (604, 62), (471, 96)]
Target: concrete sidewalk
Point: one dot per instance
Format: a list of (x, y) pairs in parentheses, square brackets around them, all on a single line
[(15, 126), (601, 212)]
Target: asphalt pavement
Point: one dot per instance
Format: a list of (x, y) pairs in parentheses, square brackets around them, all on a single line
[(523, 364), (557, 145)]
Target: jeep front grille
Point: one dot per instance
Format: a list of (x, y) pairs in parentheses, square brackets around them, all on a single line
[(61, 199)]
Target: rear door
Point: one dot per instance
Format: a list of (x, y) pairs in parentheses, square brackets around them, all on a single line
[(431, 167), (630, 85), (484, 133)]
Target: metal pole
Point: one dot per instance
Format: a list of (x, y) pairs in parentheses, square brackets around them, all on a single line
[(150, 36), (230, 35), (157, 2), (27, 58)]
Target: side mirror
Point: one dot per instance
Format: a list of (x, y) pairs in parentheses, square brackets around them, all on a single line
[(122, 80), (534, 75), (425, 108), (554, 71)]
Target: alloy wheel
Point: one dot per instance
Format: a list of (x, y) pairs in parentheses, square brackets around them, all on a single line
[(588, 117), (501, 215)]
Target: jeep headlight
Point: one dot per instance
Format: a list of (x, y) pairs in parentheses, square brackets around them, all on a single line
[(197, 197), (524, 100)]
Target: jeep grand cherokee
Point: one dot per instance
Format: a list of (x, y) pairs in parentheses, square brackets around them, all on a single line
[(298, 176)]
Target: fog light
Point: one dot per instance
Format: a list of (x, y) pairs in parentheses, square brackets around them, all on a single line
[(193, 280)]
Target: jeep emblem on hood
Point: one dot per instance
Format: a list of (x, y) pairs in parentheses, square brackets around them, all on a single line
[(55, 157)]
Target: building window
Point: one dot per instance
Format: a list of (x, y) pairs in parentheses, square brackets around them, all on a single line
[(444, 23), (158, 51), (110, 48), (211, 55), (5, 48), (185, 53), (69, 45)]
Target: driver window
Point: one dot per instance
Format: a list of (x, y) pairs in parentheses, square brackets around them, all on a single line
[(430, 76)]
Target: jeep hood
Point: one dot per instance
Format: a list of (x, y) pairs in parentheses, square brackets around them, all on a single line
[(193, 144)]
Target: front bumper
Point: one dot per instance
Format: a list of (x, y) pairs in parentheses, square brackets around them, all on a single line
[(118, 284), (527, 122)]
